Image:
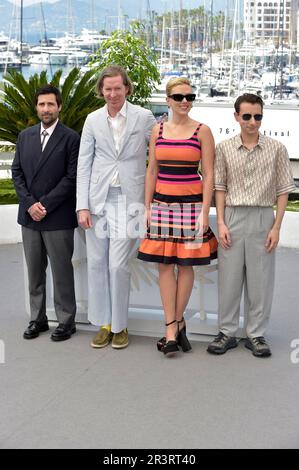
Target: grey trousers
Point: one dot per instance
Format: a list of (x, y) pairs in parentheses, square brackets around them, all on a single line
[(109, 250), (58, 245), (246, 264)]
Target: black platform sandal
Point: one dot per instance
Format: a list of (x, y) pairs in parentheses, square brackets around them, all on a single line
[(182, 337), (161, 343), (170, 347)]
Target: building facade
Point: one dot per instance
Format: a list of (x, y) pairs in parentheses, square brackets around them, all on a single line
[(272, 21)]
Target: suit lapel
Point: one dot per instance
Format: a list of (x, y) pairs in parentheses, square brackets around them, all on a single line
[(105, 131), (132, 116), (33, 152), (51, 144), (36, 144)]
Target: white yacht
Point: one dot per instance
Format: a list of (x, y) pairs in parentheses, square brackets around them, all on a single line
[(67, 45), (89, 40), (8, 60), (4, 42), (47, 55)]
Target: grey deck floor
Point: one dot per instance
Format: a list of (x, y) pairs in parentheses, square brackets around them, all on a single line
[(68, 395)]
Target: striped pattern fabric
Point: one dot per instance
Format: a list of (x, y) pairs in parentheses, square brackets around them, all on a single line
[(253, 177), (172, 236)]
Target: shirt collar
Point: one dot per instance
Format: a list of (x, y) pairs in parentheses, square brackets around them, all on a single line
[(239, 143), (122, 112), (262, 140), (50, 129)]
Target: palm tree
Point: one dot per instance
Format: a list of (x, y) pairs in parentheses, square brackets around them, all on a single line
[(17, 109)]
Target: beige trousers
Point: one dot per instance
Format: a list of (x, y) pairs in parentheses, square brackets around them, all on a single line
[(246, 265)]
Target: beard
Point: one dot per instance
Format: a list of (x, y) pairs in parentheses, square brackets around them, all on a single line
[(48, 119)]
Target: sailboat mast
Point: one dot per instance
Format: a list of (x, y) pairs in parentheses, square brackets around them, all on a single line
[(45, 39), (281, 36), (233, 48), (21, 35), (211, 36), (92, 15), (120, 17), (162, 42), (223, 40), (180, 26)]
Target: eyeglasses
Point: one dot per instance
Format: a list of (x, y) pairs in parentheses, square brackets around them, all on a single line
[(180, 97), (247, 117)]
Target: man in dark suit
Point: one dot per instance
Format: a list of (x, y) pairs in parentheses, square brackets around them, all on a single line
[(44, 175)]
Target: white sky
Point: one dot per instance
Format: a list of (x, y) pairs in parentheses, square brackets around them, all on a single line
[(30, 2)]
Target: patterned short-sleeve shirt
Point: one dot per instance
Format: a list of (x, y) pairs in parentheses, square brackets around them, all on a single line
[(253, 177)]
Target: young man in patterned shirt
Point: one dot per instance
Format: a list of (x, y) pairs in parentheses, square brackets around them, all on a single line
[(252, 173)]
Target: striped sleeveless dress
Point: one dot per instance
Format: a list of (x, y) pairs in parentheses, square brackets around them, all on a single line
[(171, 237)]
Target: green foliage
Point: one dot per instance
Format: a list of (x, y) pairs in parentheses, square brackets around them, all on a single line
[(7, 148), (126, 49), (17, 110), (7, 192), (293, 206)]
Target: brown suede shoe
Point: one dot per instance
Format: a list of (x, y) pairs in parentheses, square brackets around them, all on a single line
[(120, 340), (102, 338)]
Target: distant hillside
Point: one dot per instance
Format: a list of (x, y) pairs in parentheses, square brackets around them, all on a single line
[(58, 19)]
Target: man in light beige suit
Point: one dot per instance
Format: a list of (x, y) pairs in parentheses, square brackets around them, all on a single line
[(252, 173), (110, 192)]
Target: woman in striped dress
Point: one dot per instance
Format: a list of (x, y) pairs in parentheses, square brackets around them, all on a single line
[(177, 201)]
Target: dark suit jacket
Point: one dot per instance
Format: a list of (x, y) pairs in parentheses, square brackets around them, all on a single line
[(48, 177)]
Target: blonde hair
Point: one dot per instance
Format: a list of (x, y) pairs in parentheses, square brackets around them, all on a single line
[(114, 70), (173, 82)]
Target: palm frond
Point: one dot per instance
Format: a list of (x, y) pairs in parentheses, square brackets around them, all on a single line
[(69, 84), (17, 109), (55, 80)]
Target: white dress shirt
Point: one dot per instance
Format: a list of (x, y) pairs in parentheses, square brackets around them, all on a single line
[(49, 131), (117, 126)]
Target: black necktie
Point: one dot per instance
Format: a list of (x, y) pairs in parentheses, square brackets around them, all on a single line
[(44, 134)]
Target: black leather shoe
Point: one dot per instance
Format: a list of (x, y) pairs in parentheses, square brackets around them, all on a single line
[(34, 329), (63, 332)]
